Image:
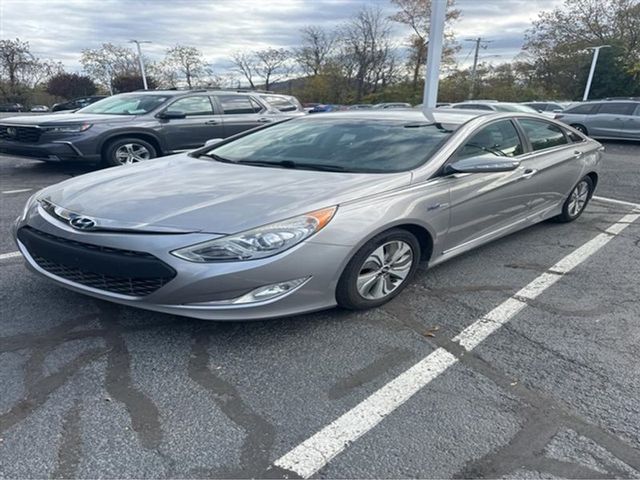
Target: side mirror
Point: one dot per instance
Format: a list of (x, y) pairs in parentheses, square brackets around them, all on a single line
[(212, 141), (172, 114), (482, 164)]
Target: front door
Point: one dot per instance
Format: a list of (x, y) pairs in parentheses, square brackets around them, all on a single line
[(485, 203), (611, 119)]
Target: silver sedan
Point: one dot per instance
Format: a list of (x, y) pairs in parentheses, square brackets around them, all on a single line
[(306, 214)]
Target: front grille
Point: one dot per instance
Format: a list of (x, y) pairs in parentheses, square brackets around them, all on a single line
[(113, 270), (20, 134)]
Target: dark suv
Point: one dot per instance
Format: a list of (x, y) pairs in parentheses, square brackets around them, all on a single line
[(131, 127)]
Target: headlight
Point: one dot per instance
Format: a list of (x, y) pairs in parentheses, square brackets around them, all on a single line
[(68, 128), (260, 242)]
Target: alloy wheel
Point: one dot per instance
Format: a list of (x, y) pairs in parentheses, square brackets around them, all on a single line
[(131, 153), (578, 198), (385, 269)]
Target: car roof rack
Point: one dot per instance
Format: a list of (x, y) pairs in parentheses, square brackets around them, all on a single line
[(636, 99)]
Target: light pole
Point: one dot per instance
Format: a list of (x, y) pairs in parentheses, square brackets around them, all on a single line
[(596, 52), (434, 54), (144, 77)]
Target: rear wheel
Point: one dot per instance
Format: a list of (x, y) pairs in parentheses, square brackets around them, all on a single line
[(125, 151), (581, 128), (578, 199), (379, 271)]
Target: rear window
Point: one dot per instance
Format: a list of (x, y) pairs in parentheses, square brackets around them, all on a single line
[(281, 103), (542, 134), (617, 108), (584, 109), (238, 104)]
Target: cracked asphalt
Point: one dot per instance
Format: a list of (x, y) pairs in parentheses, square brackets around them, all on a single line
[(90, 389)]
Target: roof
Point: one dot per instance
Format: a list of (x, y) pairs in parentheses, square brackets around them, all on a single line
[(440, 115)]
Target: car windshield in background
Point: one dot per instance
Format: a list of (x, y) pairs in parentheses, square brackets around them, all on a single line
[(127, 104), (502, 107), (350, 145)]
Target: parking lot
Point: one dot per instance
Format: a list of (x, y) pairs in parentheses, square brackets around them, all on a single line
[(518, 359)]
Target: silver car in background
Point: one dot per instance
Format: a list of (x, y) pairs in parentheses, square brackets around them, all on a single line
[(606, 119), (307, 214)]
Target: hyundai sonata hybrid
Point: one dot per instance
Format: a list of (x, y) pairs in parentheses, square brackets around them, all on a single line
[(306, 214)]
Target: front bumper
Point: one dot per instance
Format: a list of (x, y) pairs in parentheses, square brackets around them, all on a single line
[(195, 283), (55, 151)]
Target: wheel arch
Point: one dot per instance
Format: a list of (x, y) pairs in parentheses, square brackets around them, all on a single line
[(146, 136)]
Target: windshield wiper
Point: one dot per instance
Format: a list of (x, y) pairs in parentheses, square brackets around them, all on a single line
[(217, 158), (293, 165)]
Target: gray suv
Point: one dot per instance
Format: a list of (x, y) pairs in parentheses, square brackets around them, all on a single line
[(606, 119), (136, 126)]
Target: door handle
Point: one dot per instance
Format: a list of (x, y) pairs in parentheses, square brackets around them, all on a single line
[(577, 154), (211, 122), (529, 172), (264, 120)]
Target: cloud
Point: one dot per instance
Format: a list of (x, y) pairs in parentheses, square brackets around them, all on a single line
[(61, 29)]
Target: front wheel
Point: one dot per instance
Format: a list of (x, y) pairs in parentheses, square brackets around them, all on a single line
[(125, 151), (379, 271), (577, 200)]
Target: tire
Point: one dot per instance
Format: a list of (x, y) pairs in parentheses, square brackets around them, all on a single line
[(385, 281), (124, 151), (581, 128), (577, 201)]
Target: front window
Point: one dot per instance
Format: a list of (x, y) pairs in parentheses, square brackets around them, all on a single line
[(542, 134), (498, 138), (584, 109), (617, 108), (350, 145), (126, 104)]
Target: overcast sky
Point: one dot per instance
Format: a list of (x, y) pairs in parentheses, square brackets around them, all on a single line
[(60, 29)]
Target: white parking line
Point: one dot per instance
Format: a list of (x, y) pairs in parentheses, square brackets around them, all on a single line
[(619, 202), (5, 256), (18, 191), (314, 453)]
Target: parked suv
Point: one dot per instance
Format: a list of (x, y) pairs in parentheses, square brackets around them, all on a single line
[(136, 126), (608, 119)]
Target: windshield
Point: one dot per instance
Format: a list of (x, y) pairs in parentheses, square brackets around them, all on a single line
[(126, 104), (513, 107), (351, 145)]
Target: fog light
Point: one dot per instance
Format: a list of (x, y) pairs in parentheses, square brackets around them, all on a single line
[(261, 294), (270, 291)]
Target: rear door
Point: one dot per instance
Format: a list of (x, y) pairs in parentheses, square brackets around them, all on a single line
[(199, 125), (552, 165), (632, 124), (610, 119), (241, 112)]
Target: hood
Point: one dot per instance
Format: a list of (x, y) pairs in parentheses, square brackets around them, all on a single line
[(65, 118), (197, 194)]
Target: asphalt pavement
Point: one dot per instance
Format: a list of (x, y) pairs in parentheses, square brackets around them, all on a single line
[(519, 359)]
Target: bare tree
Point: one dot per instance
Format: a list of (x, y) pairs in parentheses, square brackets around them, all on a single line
[(317, 47), (109, 61), (367, 47), (244, 64), (272, 65), (184, 60), (416, 14), (20, 69)]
